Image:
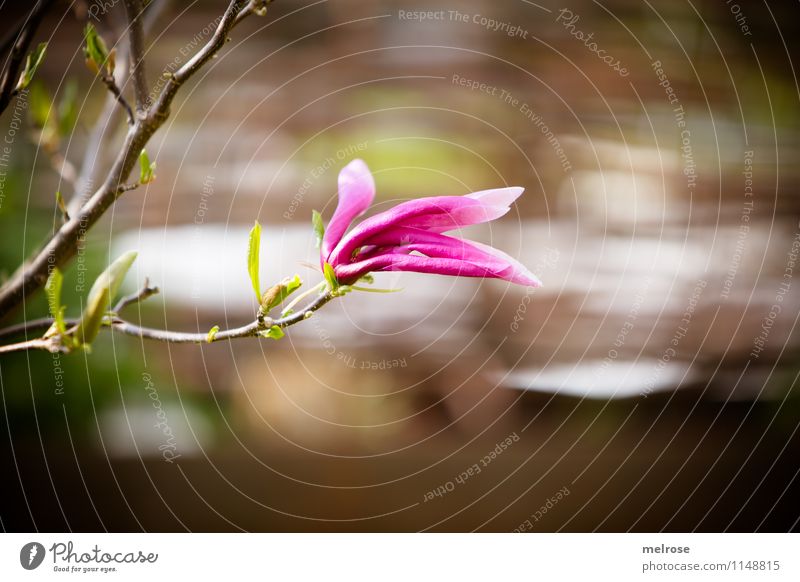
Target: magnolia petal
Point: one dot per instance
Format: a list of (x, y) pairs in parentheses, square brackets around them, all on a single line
[(446, 256), (356, 193), (402, 262), (498, 196), (438, 214), (519, 273), (432, 244)]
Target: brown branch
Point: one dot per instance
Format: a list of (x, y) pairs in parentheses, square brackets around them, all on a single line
[(108, 118), (63, 245), (134, 10)]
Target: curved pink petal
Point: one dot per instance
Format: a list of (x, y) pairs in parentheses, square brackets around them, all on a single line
[(498, 196), (432, 244), (476, 260), (356, 193), (518, 273), (401, 262), (438, 214)]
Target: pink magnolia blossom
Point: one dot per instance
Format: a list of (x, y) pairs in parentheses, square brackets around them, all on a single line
[(409, 236)]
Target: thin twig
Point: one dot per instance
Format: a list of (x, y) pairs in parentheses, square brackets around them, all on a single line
[(34, 326), (34, 344), (120, 325), (108, 81), (142, 294), (127, 187)]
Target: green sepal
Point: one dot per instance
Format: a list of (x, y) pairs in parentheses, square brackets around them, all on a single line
[(330, 277), (373, 290), (253, 258)]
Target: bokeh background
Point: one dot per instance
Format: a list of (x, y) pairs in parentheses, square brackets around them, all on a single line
[(661, 211)]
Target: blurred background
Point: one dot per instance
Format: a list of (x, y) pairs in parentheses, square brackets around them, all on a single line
[(650, 384)]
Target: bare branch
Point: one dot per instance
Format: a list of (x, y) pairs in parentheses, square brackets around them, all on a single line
[(108, 120), (134, 10), (63, 245)]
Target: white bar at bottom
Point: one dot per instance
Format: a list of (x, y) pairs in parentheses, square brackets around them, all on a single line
[(400, 557)]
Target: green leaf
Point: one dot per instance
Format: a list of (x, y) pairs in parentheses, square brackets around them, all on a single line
[(100, 297), (32, 63), (330, 277), (253, 250), (146, 168), (96, 52), (274, 332), (53, 290), (68, 108), (212, 333), (319, 227), (277, 294), (40, 105), (44, 115)]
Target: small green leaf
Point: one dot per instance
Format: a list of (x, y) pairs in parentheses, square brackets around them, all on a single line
[(96, 52), (100, 297), (368, 278), (146, 168), (68, 108), (253, 258), (53, 290), (330, 277), (32, 63), (319, 227), (212, 333), (274, 332)]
